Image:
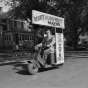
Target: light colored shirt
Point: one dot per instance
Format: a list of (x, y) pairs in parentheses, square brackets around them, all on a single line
[(50, 41)]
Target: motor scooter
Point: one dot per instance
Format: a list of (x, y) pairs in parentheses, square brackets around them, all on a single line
[(38, 63)]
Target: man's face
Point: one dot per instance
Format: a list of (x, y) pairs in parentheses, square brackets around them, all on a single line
[(48, 32)]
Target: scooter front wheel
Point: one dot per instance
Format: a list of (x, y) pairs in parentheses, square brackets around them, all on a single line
[(32, 68)]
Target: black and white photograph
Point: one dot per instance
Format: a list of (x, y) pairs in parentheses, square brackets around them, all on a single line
[(43, 43)]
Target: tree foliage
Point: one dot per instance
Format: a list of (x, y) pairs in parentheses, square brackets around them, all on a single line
[(75, 13), (23, 8)]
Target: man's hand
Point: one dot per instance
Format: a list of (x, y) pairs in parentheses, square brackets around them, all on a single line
[(36, 47), (48, 45)]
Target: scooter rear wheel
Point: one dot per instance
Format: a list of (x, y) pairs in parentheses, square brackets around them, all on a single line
[(32, 68)]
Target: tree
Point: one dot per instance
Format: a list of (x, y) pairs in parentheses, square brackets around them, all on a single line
[(75, 13), (23, 8)]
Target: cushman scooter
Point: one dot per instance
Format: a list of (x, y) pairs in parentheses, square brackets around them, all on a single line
[(55, 58)]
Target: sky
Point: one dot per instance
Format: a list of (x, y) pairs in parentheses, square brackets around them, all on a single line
[(5, 8)]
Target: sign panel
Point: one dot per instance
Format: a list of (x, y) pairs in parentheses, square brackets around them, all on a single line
[(59, 48), (47, 19)]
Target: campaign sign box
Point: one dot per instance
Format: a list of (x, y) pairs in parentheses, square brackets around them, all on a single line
[(41, 18), (59, 48)]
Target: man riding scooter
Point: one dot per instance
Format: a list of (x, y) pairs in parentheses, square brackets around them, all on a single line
[(48, 45), (51, 51)]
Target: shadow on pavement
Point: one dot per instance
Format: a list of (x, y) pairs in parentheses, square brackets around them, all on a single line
[(21, 68), (47, 69), (25, 71)]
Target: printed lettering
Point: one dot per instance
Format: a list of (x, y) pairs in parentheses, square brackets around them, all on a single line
[(59, 44), (38, 18), (59, 54), (57, 24), (35, 18), (51, 23)]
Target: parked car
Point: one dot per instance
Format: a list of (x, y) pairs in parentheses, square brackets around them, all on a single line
[(83, 45)]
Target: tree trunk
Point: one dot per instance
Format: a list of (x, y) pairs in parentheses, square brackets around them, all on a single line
[(75, 43), (75, 35), (75, 38)]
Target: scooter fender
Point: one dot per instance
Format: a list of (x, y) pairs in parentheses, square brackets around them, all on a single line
[(33, 61)]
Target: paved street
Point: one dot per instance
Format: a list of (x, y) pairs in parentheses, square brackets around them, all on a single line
[(73, 74)]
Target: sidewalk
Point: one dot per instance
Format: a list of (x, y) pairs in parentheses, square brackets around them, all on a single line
[(10, 55), (22, 52)]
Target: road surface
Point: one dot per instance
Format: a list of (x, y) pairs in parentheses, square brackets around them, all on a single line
[(73, 74)]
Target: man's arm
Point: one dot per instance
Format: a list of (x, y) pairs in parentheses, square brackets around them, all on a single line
[(53, 41), (39, 45), (43, 42)]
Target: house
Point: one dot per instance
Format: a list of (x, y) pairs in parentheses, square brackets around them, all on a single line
[(14, 33)]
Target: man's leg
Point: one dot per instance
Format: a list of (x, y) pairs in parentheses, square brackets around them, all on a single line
[(42, 51), (46, 52), (39, 58)]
